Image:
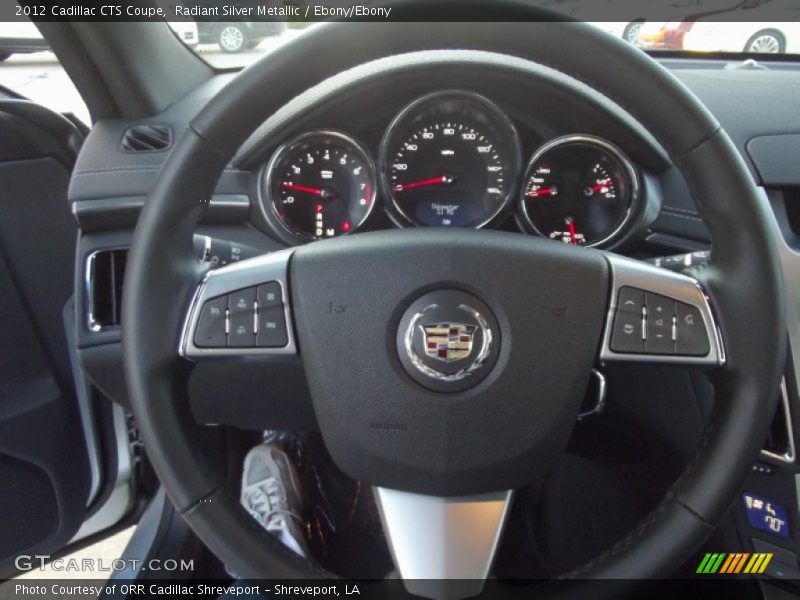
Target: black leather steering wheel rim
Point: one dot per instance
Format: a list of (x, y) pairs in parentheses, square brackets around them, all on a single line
[(161, 274)]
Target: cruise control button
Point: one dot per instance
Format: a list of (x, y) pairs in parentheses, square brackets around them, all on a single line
[(210, 332), (271, 327), (660, 311), (269, 295), (627, 333), (630, 299), (692, 339), (241, 305)]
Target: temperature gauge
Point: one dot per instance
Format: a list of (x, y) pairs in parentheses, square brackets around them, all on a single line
[(579, 190)]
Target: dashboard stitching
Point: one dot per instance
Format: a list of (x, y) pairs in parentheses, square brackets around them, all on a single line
[(671, 208), (699, 145), (679, 216), (98, 172)]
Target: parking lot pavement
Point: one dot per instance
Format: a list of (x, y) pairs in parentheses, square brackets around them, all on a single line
[(40, 78)]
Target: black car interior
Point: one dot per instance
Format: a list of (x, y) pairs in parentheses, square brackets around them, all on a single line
[(622, 461)]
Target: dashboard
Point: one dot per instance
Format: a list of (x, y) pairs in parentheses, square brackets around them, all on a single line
[(452, 158), (550, 145), (468, 146)]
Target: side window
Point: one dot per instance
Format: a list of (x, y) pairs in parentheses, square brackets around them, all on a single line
[(29, 68)]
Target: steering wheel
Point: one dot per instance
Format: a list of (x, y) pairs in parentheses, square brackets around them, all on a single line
[(445, 444)]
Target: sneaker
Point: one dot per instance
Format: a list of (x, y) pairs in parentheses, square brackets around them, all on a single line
[(271, 493)]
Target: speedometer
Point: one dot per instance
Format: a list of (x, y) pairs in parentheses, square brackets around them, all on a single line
[(450, 160)]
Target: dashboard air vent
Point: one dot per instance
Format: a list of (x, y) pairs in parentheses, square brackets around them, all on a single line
[(105, 276), (146, 138)]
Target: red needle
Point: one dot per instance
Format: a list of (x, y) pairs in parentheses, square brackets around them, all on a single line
[(302, 188), (542, 192), (432, 181), (600, 185), (572, 233)]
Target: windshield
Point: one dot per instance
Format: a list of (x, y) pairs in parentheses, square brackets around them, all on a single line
[(689, 27), (231, 34)]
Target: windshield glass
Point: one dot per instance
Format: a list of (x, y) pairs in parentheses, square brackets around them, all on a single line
[(236, 44), (29, 69), (690, 27)]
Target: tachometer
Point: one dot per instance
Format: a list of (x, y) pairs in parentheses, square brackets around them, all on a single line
[(579, 190), (321, 185), (450, 160)]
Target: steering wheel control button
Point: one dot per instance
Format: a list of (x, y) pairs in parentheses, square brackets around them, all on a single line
[(241, 305), (269, 295), (211, 328), (270, 318), (629, 324), (690, 332), (678, 322), (660, 315), (448, 340), (271, 327)]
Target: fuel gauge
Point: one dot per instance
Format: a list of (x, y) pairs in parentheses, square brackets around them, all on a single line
[(321, 185), (569, 234), (579, 190)]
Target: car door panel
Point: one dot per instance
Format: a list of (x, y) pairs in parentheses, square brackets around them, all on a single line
[(44, 462)]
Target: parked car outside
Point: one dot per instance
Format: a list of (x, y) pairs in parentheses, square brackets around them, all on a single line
[(638, 14), (755, 26), (233, 37), (759, 35)]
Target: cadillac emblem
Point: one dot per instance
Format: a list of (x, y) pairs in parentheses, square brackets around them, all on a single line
[(448, 342)]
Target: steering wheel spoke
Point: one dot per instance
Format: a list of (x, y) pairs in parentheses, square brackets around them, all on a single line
[(241, 310), (443, 547), (659, 316)]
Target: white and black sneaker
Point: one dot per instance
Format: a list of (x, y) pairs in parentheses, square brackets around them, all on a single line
[(271, 493)]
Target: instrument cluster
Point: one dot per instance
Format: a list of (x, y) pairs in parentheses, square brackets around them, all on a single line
[(452, 159)]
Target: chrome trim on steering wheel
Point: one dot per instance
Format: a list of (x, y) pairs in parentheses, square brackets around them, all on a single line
[(626, 272), (237, 276), (443, 547), (790, 454)]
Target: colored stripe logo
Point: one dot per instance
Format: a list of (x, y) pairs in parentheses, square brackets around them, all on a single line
[(734, 563)]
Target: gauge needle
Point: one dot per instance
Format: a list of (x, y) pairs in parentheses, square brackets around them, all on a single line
[(303, 188), (600, 185), (548, 191), (423, 182), (573, 234)]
